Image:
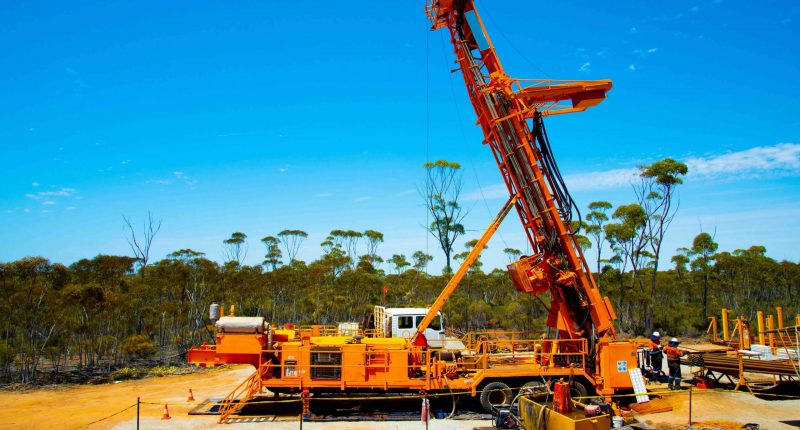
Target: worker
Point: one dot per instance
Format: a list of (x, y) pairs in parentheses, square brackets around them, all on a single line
[(674, 363), (655, 356)]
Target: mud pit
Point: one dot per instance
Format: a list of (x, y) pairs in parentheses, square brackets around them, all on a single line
[(78, 406)]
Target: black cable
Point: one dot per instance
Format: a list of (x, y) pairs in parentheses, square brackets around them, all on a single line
[(568, 204)]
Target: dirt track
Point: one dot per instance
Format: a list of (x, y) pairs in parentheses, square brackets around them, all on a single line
[(80, 406)]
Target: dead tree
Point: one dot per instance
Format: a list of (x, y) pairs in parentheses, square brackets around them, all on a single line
[(140, 245)]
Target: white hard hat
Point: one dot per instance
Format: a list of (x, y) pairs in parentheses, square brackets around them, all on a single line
[(656, 334), (674, 339)]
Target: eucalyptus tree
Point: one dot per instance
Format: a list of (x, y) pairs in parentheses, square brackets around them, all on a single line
[(513, 254), (291, 241), (703, 250), (234, 248), (140, 244), (442, 190), (272, 258), (421, 260), (399, 262), (656, 193), (596, 219), (628, 238)]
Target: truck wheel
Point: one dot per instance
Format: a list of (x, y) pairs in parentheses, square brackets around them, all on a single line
[(533, 388), (495, 393), (577, 389)]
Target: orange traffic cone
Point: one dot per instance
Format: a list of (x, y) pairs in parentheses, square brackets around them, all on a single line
[(191, 396), (166, 413)]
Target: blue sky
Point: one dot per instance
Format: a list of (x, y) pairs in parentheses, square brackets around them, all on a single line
[(259, 117)]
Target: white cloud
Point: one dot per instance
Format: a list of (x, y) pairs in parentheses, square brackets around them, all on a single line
[(35, 184), (781, 159), (633, 30), (159, 181), (26, 210), (185, 178), (48, 202), (406, 192), (489, 192), (46, 195), (71, 208), (283, 169), (123, 162), (632, 67), (585, 67), (644, 53)]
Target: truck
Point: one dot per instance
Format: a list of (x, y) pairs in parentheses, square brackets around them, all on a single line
[(403, 322), (580, 343)]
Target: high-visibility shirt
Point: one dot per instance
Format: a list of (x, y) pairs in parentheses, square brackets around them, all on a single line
[(655, 348), (673, 353)]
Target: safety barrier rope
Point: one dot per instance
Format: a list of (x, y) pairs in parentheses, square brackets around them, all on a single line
[(109, 416)]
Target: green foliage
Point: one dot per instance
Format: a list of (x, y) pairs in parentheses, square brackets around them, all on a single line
[(235, 247), (137, 346), (399, 261), (421, 260), (666, 172), (98, 312), (272, 258), (291, 240), (513, 254)]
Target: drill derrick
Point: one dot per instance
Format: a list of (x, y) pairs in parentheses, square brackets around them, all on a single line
[(510, 113)]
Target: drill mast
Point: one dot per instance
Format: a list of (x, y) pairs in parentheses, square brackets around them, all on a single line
[(510, 113)]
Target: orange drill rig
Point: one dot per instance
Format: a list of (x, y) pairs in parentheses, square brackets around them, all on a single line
[(580, 344)]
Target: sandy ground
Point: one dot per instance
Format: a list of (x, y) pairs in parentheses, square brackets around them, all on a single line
[(81, 406), (717, 406)]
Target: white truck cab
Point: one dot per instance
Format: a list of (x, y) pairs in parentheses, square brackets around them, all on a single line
[(403, 322)]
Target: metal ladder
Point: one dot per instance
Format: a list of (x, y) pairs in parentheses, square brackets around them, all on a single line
[(244, 391)]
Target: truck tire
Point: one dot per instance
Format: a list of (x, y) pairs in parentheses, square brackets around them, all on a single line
[(495, 393), (578, 389)]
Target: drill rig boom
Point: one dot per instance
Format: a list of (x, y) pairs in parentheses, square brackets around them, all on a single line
[(510, 113)]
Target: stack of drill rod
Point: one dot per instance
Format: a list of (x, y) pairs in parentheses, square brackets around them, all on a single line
[(786, 337), (729, 365)]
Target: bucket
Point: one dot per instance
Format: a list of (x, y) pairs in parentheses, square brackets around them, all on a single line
[(617, 422)]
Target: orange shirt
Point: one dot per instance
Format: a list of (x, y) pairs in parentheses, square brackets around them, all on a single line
[(654, 345), (673, 353)]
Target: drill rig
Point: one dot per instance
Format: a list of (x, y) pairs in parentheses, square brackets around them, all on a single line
[(580, 344)]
